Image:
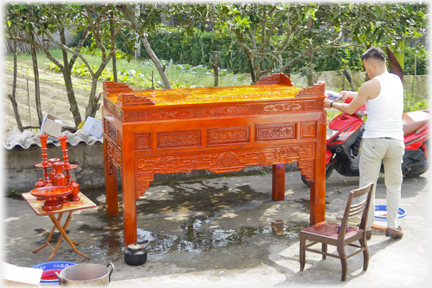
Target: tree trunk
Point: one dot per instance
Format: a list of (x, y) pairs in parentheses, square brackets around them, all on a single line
[(71, 97), (250, 64), (36, 80), (155, 60), (311, 68), (132, 18), (114, 62), (215, 65), (137, 37), (12, 97), (68, 83), (93, 104)]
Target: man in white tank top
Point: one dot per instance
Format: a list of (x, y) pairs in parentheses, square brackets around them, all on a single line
[(383, 137)]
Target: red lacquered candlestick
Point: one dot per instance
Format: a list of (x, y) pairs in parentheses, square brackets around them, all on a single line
[(43, 139), (66, 165)]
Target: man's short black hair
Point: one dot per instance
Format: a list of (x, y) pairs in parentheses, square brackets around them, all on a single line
[(375, 53)]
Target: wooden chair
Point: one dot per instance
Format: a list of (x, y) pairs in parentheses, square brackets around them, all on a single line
[(327, 233)]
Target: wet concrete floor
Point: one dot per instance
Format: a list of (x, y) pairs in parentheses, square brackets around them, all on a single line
[(218, 231)]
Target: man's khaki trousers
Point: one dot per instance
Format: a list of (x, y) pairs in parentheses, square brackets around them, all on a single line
[(390, 152)]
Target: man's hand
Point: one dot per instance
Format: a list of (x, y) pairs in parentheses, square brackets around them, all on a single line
[(347, 94), (327, 103)]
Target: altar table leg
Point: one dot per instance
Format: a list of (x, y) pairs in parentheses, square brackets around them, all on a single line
[(129, 208), (317, 188), (111, 191), (278, 182)]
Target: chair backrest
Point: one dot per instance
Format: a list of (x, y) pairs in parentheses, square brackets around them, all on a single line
[(355, 209)]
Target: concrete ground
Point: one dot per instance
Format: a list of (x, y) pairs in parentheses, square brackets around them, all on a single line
[(217, 232)]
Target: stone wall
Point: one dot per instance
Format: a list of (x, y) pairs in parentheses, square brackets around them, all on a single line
[(21, 173)]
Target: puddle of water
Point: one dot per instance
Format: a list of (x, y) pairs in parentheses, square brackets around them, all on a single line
[(193, 239)]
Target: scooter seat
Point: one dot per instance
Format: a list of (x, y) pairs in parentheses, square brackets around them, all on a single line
[(412, 121)]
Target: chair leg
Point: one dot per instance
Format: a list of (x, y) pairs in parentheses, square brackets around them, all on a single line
[(302, 252), (344, 262), (324, 249), (364, 245)]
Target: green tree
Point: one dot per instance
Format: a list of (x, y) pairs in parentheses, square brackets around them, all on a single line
[(92, 19), (144, 19), (384, 24)]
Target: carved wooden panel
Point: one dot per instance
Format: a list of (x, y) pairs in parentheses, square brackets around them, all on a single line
[(227, 111), (227, 135), (275, 132), (179, 139), (308, 129), (112, 132), (130, 99), (312, 91), (219, 162), (114, 155), (135, 116), (222, 112), (275, 79), (114, 109), (307, 169), (143, 141), (169, 114), (113, 87), (142, 183)]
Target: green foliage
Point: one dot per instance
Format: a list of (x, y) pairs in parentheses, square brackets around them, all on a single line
[(97, 52), (421, 63), (413, 102), (193, 50), (13, 192), (138, 74)]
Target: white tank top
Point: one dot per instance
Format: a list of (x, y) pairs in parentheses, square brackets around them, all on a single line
[(384, 113)]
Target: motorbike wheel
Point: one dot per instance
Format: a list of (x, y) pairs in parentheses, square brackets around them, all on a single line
[(416, 169), (329, 171)]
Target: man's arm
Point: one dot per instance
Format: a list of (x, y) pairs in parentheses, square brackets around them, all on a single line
[(368, 90)]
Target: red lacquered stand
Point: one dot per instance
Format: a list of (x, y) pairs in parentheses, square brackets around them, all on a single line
[(51, 196), (37, 207), (57, 189)]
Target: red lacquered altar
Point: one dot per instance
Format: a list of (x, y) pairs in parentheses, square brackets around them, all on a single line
[(220, 129)]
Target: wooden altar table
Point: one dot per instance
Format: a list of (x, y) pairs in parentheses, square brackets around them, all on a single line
[(220, 129)]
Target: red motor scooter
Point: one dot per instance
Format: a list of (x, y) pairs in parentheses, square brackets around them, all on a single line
[(344, 134)]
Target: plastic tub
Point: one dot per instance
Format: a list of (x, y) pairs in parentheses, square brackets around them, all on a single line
[(381, 216), (48, 276)]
